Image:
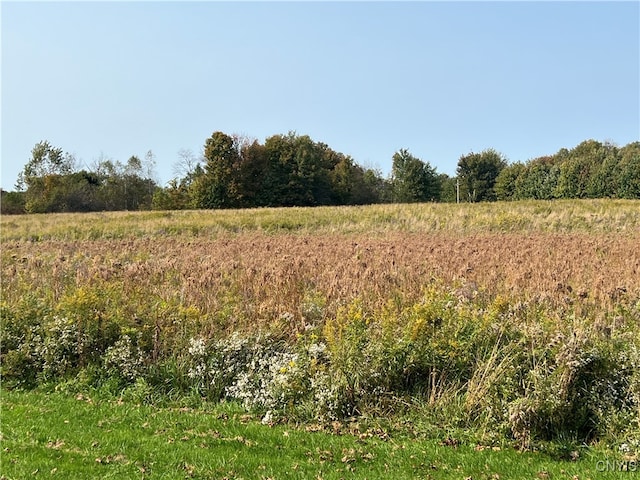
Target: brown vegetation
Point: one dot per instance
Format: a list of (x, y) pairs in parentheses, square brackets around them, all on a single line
[(272, 275)]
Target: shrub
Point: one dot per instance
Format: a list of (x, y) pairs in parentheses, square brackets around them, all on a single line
[(60, 348), (214, 365), (580, 386), (90, 313), (124, 358)]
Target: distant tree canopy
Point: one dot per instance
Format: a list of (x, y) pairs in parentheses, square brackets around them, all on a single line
[(413, 180), (287, 170), (590, 170), (50, 182), (478, 173), (294, 170)]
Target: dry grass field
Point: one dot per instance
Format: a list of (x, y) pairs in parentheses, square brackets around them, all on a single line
[(270, 260), (272, 275)]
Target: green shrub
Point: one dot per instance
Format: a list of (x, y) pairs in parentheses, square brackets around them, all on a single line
[(90, 312), (125, 358), (580, 386)]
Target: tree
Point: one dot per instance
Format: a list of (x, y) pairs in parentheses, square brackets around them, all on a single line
[(219, 186), (353, 185), (81, 192), (179, 193), (253, 171), (505, 187), (448, 189), (375, 185), (603, 178), (185, 167), (287, 170), (12, 203), (111, 191), (577, 166), (124, 186), (45, 160), (74, 192), (478, 173), (295, 173), (538, 179), (175, 196), (413, 180), (309, 180), (629, 171), (45, 178)]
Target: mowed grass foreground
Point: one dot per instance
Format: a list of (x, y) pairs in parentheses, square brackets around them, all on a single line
[(472, 331), (48, 435)]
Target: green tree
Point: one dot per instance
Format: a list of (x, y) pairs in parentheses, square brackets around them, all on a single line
[(344, 179), (448, 189), (628, 176), (413, 180), (45, 178), (376, 186), (124, 186), (577, 166), (478, 173), (309, 183), (219, 186), (130, 180), (538, 179), (603, 178), (12, 203), (45, 160), (353, 185), (179, 194), (506, 184), (252, 171), (296, 172), (81, 192), (174, 196), (74, 192), (112, 190)]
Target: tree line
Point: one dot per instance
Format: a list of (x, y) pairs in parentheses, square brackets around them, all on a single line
[(590, 170), (51, 182), (294, 170)]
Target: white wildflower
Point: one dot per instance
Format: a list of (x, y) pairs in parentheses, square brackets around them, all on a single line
[(316, 349), (197, 347), (268, 418)]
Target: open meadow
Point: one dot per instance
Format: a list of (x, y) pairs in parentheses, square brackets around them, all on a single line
[(490, 329)]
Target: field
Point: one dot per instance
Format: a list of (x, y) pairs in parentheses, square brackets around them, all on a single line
[(509, 325)]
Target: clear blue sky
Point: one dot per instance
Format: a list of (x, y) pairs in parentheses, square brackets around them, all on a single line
[(112, 79)]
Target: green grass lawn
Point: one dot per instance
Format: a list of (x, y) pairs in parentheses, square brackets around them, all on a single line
[(51, 435)]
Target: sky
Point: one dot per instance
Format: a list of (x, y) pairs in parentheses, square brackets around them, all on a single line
[(441, 79)]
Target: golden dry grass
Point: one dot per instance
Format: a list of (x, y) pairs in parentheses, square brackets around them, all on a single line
[(256, 265), (264, 276)]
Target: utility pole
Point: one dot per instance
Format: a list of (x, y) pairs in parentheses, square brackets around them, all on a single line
[(457, 190)]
